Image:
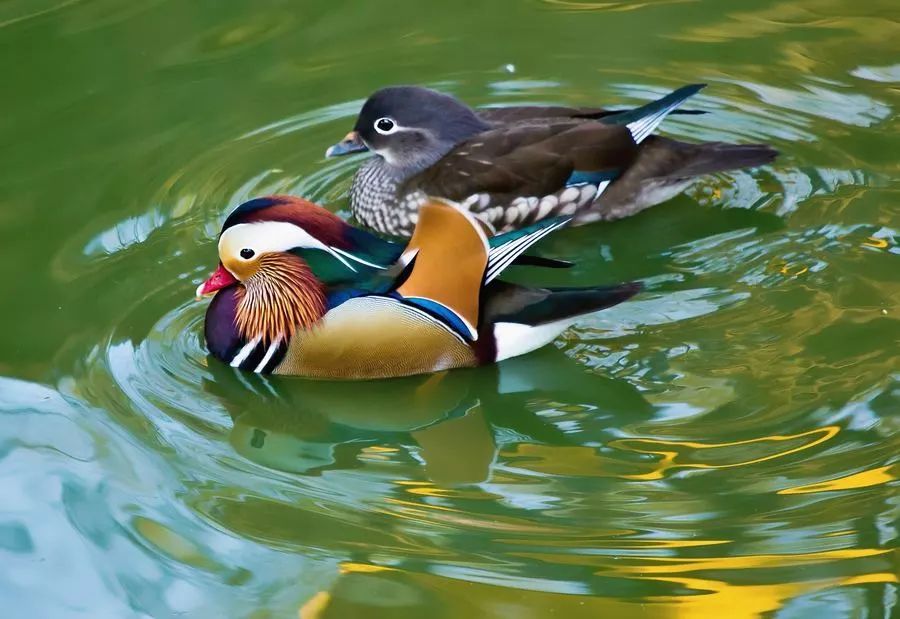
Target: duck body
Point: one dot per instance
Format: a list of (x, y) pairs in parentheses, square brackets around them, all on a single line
[(368, 336), (438, 306), (512, 167)]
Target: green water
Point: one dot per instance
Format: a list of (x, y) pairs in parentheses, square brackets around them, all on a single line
[(724, 446)]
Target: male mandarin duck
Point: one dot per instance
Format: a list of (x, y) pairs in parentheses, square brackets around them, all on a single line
[(512, 167), (301, 292)]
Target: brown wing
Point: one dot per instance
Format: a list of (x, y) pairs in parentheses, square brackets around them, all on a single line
[(526, 160), (450, 257), (520, 113), (537, 113)]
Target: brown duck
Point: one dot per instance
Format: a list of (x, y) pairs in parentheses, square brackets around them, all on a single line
[(512, 167)]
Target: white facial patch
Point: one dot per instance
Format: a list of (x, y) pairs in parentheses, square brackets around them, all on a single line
[(386, 155), (266, 237)]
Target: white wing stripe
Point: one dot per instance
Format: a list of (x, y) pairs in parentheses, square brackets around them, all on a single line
[(495, 270), (498, 253), (601, 187), (501, 252), (643, 127), (355, 258), (496, 266)]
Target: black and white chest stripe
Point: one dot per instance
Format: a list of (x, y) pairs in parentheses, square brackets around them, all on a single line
[(255, 356)]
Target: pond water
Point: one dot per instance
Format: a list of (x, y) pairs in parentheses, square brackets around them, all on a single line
[(726, 445)]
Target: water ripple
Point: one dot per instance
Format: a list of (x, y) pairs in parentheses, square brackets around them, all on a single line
[(726, 440)]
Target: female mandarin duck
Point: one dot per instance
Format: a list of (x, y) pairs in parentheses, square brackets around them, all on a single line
[(301, 292), (512, 167)]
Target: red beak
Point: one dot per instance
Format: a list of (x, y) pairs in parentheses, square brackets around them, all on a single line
[(220, 278)]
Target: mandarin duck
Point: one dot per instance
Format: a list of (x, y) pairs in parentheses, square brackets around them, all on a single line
[(512, 167), (298, 291)]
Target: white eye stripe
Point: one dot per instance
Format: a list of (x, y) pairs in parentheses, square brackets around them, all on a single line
[(386, 125), (271, 237), (267, 236)]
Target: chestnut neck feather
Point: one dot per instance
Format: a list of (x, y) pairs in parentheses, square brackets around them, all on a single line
[(280, 298)]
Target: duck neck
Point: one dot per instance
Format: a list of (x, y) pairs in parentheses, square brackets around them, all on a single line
[(397, 170), (282, 298)]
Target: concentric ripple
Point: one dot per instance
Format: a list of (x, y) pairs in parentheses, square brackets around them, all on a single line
[(588, 456)]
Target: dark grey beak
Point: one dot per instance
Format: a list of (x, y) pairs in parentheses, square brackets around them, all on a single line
[(350, 144)]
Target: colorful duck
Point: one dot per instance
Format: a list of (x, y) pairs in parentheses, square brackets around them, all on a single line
[(301, 292), (512, 167)]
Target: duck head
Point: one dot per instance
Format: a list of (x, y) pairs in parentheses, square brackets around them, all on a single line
[(277, 257), (410, 127)]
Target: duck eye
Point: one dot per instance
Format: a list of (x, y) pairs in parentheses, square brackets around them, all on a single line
[(385, 125), (246, 253)]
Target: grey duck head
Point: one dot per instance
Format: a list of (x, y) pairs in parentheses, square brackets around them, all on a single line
[(410, 127)]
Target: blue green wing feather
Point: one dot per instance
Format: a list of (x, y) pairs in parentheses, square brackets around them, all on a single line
[(368, 257), (642, 121), (505, 249)]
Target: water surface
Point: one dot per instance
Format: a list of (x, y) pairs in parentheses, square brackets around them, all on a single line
[(724, 445)]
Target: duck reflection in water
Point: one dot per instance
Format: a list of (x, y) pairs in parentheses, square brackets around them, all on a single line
[(454, 422)]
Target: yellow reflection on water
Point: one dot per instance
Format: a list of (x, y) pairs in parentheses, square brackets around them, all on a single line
[(788, 269), (662, 568), (721, 599), (380, 449), (618, 544), (671, 451), (863, 479), (876, 577), (586, 462), (315, 606), (670, 565), (876, 242), (349, 567), (710, 597)]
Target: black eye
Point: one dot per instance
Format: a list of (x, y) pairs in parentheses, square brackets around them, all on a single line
[(385, 125), (246, 254)]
